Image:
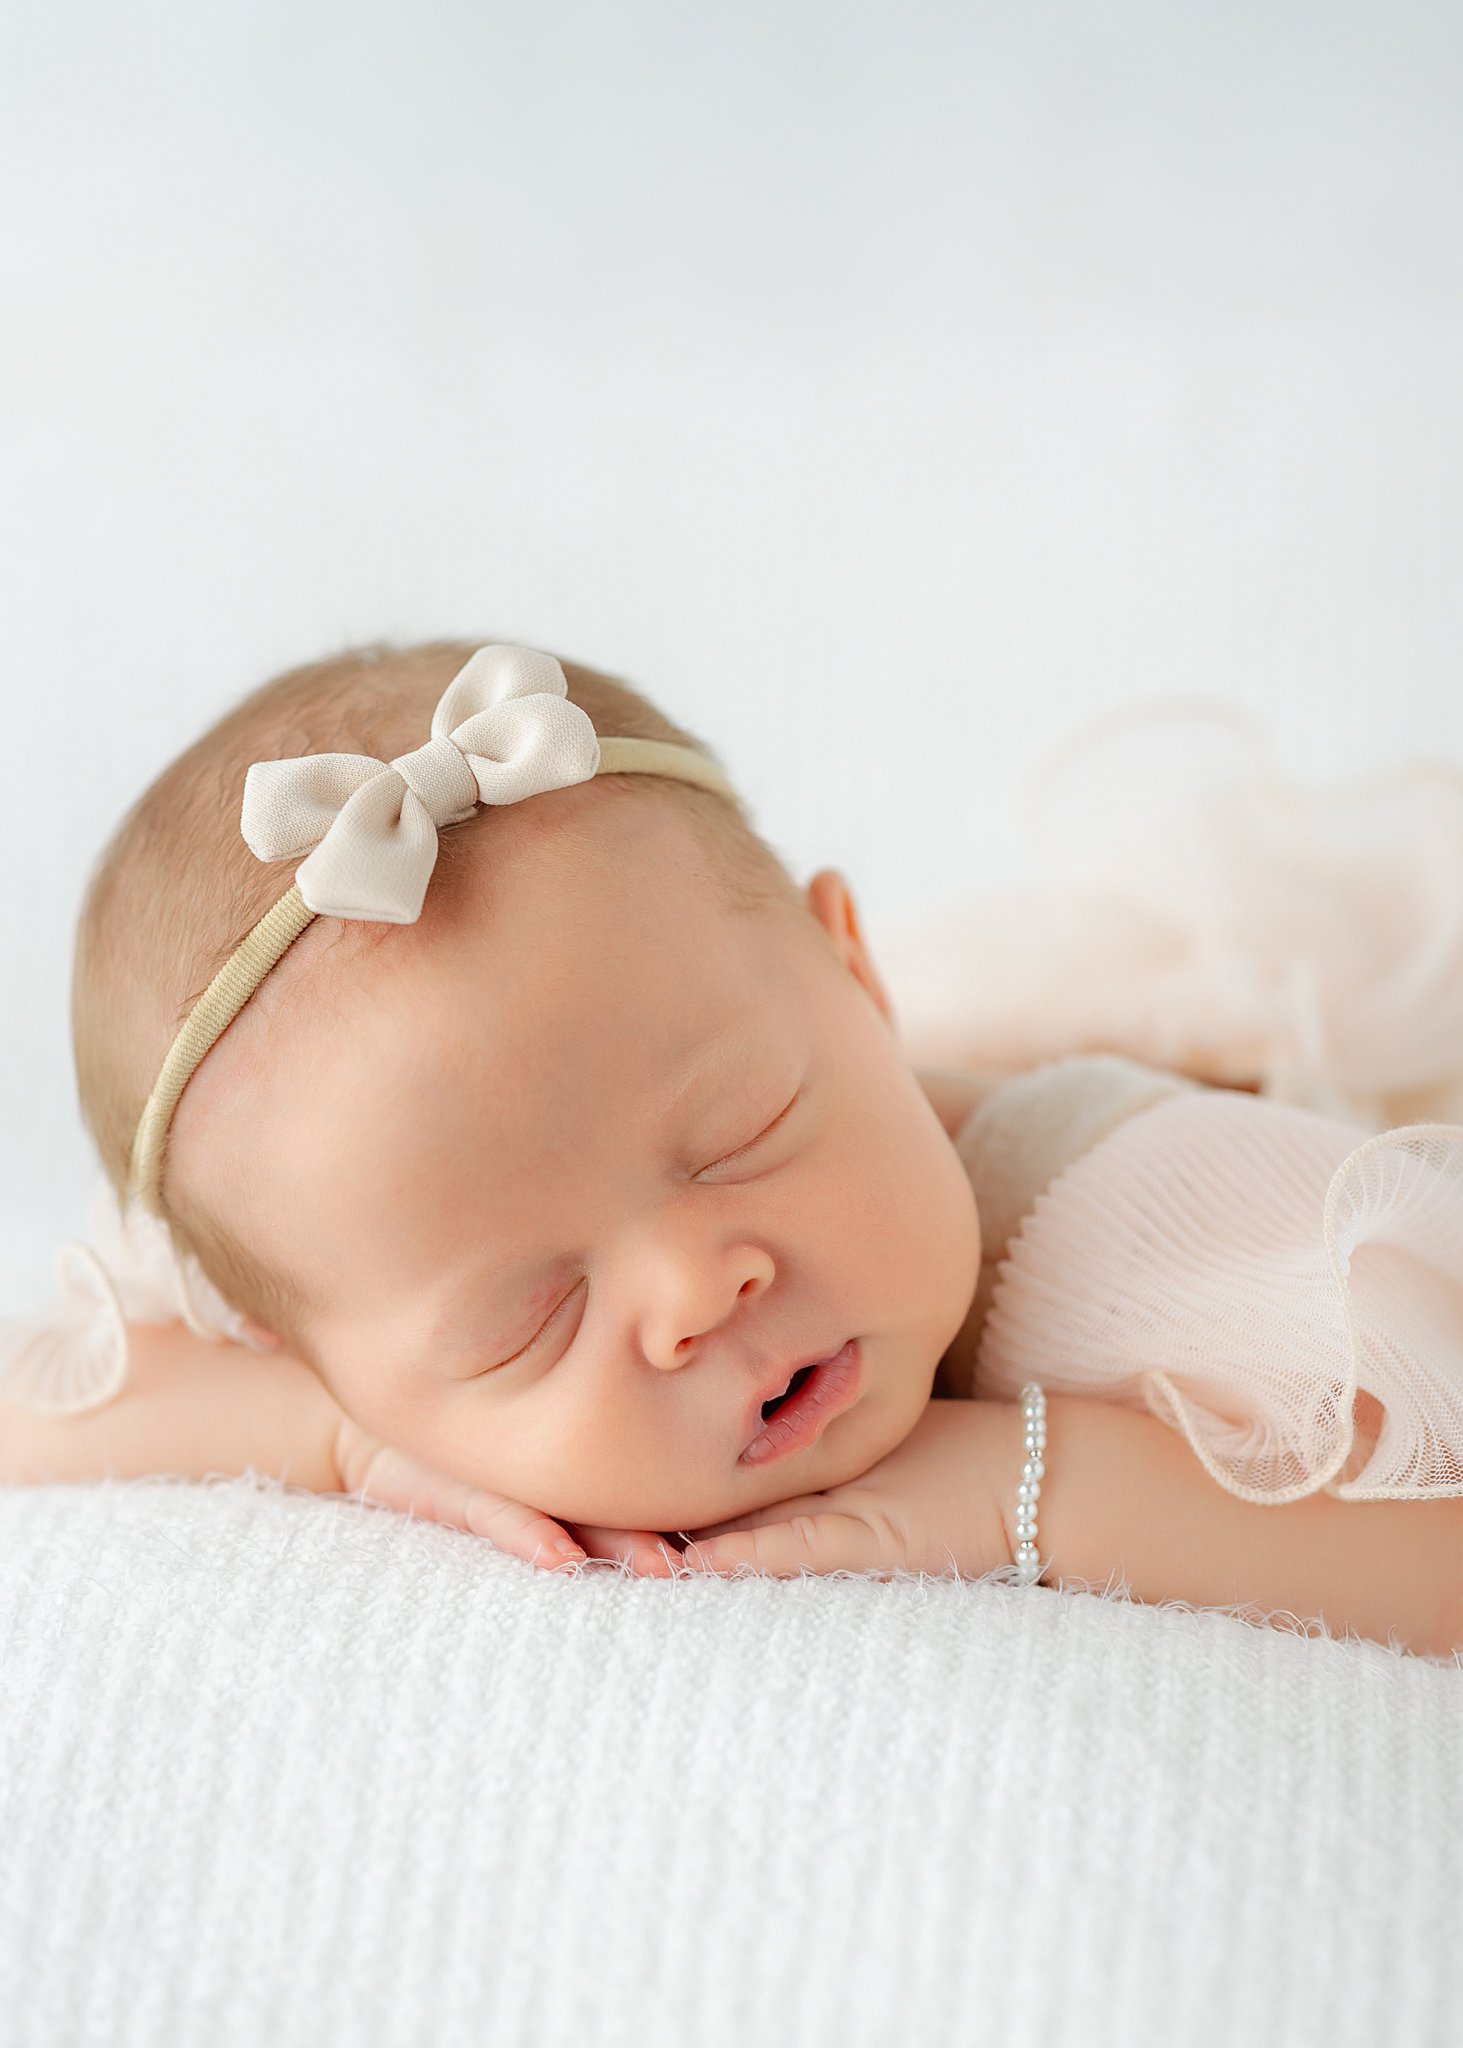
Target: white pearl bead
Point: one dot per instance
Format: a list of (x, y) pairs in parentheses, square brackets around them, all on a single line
[(1029, 1565)]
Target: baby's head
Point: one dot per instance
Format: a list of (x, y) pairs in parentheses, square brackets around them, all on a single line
[(553, 1185)]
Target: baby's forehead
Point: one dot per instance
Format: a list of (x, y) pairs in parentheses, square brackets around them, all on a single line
[(550, 1001), (587, 929)]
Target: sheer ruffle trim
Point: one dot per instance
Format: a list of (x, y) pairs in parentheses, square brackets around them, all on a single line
[(1196, 909), (1290, 1299), (74, 1357)]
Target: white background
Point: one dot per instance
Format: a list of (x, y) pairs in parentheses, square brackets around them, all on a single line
[(884, 388)]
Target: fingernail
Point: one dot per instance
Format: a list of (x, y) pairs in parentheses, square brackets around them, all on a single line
[(564, 1548)]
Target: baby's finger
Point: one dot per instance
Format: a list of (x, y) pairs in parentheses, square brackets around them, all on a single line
[(826, 1542), (758, 1518), (384, 1477), (647, 1554)]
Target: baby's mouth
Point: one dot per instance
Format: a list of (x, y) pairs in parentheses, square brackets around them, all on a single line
[(794, 1419), (799, 1378)]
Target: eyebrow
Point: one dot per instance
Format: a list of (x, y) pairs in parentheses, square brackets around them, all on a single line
[(715, 1056)]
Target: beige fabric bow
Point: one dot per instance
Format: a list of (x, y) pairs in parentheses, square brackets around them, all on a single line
[(503, 729)]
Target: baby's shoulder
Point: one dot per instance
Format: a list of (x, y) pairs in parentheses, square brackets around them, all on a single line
[(1024, 1131), (1030, 1127)]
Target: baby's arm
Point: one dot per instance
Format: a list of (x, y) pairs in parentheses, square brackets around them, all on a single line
[(187, 1407), (1124, 1493), (194, 1409), (1123, 1497)]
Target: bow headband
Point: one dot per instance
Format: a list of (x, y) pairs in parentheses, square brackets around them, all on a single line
[(503, 729)]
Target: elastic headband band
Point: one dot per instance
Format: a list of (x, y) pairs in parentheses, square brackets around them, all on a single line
[(503, 729)]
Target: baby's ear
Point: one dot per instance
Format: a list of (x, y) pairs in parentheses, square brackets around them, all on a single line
[(831, 901)]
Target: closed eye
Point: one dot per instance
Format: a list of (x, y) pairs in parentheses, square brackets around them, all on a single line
[(542, 1331), (752, 1143), (738, 1154)]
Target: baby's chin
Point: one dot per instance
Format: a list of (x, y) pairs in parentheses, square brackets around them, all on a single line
[(851, 1445)]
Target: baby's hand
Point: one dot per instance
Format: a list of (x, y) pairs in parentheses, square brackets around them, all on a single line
[(933, 1505), (382, 1475)]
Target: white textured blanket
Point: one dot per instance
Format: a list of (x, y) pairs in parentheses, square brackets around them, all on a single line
[(290, 1770)]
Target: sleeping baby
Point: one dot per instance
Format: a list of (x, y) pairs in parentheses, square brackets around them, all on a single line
[(498, 1131)]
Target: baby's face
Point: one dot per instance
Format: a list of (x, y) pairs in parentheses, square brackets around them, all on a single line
[(582, 1165)]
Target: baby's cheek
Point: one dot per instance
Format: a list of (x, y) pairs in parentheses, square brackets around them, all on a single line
[(962, 1220), (448, 1424)]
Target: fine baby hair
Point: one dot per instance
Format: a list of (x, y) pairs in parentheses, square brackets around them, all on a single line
[(178, 890)]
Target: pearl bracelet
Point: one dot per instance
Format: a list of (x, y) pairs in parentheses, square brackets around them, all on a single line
[(1029, 1566)]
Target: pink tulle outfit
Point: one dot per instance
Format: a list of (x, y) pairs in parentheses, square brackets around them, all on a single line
[(74, 1356), (1279, 1275), (1282, 1289), (1193, 908)]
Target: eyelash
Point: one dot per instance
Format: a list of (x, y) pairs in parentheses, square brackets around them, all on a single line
[(752, 1143)]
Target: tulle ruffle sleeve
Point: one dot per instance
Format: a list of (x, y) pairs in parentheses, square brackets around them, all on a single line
[(73, 1355), (1278, 1286)]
